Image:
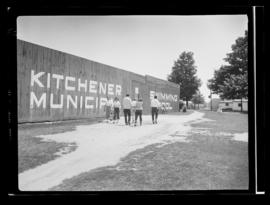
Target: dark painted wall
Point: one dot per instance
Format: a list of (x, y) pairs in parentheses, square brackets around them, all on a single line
[(40, 69)]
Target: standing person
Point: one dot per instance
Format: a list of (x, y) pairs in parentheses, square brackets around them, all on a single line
[(108, 107), (163, 108), (180, 105), (117, 106), (138, 112), (184, 108), (112, 110), (133, 109), (127, 107), (155, 104)]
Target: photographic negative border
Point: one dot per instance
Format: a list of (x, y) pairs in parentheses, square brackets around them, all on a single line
[(257, 79)]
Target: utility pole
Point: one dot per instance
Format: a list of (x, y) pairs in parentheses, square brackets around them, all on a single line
[(210, 96), (211, 101), (179, 96)]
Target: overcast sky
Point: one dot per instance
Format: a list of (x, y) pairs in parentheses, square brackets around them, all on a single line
[(141, 44)]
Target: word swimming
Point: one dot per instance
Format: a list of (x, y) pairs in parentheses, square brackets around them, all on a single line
[(163, 96), (68, 91)]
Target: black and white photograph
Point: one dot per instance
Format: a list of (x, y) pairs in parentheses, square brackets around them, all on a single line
[(132, 103)]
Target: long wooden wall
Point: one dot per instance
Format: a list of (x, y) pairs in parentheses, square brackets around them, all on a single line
[(51, 85)]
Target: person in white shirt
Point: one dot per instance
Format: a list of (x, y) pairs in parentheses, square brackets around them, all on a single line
[(108, 107), (117, 106), (127, 108), (155, 104)]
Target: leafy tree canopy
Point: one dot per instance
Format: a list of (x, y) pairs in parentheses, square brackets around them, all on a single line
[(231, 81), (197, 98), (184, 73)]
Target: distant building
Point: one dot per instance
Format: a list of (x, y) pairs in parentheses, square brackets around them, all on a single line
[(234, 105), (237, 105), (226, 105), (215, 104), (190, 105)]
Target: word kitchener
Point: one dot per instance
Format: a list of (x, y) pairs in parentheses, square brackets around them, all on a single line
[(59, 91)]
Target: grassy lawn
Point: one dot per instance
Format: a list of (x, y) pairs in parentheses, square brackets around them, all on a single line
[(180, 113), (209, 161), (232, 122), (32, 151)]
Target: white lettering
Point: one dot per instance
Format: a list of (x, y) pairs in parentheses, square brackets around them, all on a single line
[(35, 78), (110, 89), (42, 100), (58, 78), (118, 90), (102, 89), (82, 85), (81, 101), (86, 100), (136, 90), (68, 78), (166, 96), (52, 105), (162, 96), (92, 86), (73, 102), (96, 103), (102, 102), (152, 94)]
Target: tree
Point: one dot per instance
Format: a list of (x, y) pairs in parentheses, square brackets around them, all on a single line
[(236, 87), (218, 80), (184, 73), (231, 81), (238, 58), (197, 99)]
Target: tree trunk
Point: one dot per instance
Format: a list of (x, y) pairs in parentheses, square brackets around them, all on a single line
[(187, 104)]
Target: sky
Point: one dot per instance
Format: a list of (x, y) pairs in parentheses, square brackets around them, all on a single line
[(147, 45)]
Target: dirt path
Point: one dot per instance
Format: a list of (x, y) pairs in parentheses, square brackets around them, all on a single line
[(104, 145)]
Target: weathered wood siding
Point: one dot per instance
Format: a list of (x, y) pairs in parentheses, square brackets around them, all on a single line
[(34, 58)]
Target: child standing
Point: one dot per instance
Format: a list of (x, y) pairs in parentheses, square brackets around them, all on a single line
[(108, 107), (117, 106), (138, 111)]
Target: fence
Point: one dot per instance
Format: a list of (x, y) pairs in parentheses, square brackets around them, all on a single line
[(54, 85)]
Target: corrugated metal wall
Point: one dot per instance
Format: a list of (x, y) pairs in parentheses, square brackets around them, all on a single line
[(53, 85)]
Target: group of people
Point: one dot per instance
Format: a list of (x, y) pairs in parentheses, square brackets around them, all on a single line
[(132, 110)]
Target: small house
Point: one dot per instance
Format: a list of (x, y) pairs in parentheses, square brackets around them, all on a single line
[(237, 105), (226, 105), (213, 104)]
